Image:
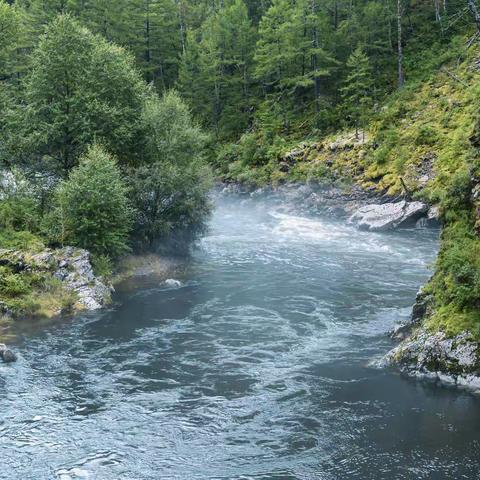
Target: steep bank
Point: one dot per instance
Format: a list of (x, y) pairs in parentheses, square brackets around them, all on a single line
[(421, 146)]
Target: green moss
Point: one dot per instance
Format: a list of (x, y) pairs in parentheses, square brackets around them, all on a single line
[(431, 126)]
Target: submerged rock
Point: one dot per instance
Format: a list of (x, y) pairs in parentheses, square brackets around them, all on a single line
[(6, 354), (381, 217)]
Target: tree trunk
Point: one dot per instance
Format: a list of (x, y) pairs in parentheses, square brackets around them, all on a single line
[(472, 6), (401, 76)]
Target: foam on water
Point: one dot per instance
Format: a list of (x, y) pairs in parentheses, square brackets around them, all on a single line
[(254, 365)]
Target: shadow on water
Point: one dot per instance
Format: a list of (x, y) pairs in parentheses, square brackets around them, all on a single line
[(252, 365)]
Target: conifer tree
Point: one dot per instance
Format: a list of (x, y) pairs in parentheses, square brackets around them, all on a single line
[(357, 91)]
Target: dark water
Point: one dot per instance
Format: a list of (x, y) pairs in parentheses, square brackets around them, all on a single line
[(256, 367)]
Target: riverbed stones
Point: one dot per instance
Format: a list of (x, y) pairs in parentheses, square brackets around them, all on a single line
[(6, 354), (388, 216)]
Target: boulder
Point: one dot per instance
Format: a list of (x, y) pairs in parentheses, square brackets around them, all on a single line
[(6, 354), (381, 217), (450, 360)]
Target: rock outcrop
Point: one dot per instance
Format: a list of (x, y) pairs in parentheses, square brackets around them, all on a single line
[(74, 269), (71, 266), (433, 355), (387, 216), (454, 361)]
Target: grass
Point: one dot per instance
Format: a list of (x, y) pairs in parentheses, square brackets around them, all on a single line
[(33, 293)]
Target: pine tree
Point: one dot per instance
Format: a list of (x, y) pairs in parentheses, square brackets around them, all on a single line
[(277, 58), (9, 37), (215, 72), (357, 91)]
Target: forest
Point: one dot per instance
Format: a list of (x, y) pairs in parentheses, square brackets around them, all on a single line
[(116, 117), (239, 239)]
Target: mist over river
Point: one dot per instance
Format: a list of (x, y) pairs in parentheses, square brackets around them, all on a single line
[(255, 366)]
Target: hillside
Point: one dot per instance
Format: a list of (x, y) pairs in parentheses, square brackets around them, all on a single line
[(421, 144)]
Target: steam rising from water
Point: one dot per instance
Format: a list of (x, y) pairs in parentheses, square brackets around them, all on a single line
[(251, 366)]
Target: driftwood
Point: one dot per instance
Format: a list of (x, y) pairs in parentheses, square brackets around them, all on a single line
[(454, 77)]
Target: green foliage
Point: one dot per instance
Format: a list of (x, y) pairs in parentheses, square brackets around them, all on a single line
[(79, 89), (456, 283), (171, 135), (10, 27), (30, 293), (171, 203), (426, 136), (170, 191), (357, 91), (102, 266), (20, 240), (92, 208), (216, 69), (20, 211)]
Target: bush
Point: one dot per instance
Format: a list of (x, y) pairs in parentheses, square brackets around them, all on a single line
[(170, 191), (170, 200), (426, 136), (91, 208), (171, 135)]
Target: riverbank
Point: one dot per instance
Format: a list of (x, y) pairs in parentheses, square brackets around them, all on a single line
[(44, 285), (424, 351)]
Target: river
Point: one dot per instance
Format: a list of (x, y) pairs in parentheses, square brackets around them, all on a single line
[(254, 365)]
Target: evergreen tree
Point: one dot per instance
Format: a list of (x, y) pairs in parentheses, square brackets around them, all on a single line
[(9, 38), (357, 91), (277, 57), (91, 208), (215, 72)]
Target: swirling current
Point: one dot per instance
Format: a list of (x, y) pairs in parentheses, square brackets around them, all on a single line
[(255, 363)]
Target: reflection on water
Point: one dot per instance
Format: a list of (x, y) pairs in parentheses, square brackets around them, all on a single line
[(254, 365)]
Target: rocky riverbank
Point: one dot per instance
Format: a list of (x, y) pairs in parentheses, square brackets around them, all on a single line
[(368, 210), (65, 274), (422, 352), (433, 355)]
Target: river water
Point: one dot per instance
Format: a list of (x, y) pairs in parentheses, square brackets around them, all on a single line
[(255, 366)]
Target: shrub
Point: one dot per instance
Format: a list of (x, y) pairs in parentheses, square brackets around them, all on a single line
[(426, 136), (170, 200), (91, 208), (171, 135), (170, 191)]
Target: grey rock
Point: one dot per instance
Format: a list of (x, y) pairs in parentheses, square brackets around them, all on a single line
[(381, 217), (454, 361), (75, 271), (6, 354)]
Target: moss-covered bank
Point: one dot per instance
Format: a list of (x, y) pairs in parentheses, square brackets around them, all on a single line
[(422, 143)]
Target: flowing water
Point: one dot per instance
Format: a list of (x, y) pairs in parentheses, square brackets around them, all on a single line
[(255, 366)]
